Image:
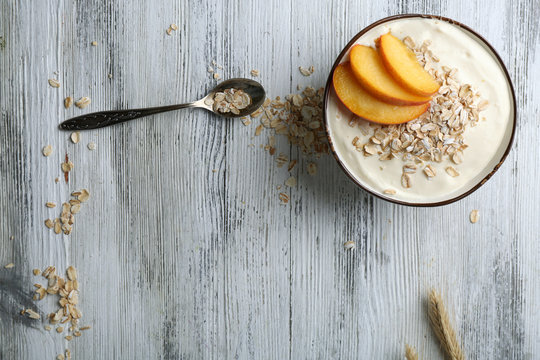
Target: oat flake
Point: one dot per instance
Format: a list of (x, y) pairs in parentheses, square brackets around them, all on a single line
[(83, 102), (451, 171), (474, 216), (284, 198), (291, 181), (54, 83), (68, 102), (47, 150), (75, 137), (312, 168)]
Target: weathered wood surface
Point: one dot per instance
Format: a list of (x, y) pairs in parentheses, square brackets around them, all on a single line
[(179, 261)]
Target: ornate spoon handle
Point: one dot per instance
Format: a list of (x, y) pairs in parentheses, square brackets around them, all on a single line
[(106, 118)]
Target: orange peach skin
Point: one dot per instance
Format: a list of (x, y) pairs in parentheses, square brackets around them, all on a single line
[(369, 70), (402, 64), (361, 103)]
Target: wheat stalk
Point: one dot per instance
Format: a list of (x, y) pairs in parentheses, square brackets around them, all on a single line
[(442, 327), (410, 353)]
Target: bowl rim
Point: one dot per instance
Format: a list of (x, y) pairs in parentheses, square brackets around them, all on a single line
[(329, 88)]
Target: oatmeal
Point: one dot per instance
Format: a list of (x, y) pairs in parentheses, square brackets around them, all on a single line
[(437, 134)]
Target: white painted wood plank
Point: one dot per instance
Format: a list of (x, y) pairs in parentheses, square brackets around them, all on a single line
[(256, 251)]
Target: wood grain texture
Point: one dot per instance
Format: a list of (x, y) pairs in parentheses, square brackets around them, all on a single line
[(178, 261)]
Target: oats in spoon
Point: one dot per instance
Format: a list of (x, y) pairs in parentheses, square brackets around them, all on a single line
[(230, 100)]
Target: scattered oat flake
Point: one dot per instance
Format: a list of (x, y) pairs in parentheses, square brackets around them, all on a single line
[(409, 168), (94, 43), (169, 31), (291, 181), (83, 102), (281, 160), (254, 72), (57, 226), (246, 121), (429, 171), (50, 205), (474, 216), (174, 27), (47, 327), (482, 105), (451, 171), (405, 181), (258, 130), (67, 166), (54, 83), (47, 150), (68, 337), (91, 145), (59, 329), (49, 223), (71, 273), (68, 102), (75, 137), (291, 165), (390, 191), (284, 198), (32, 314), (84, 195), (36, 272), (312, 168), (306, 72), (457, 158), (60, 357), (217, 76), (349, 245), (9, 266)]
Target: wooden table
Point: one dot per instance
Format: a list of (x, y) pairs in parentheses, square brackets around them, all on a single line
[(184, 250)]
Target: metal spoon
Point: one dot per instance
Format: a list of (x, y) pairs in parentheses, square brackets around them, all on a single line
[(105, 118)]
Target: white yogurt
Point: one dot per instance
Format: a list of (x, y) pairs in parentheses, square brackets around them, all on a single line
[(488, 140)]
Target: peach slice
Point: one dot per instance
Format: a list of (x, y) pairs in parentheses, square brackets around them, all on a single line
[(369, 70), (360, 102), (402, 64)]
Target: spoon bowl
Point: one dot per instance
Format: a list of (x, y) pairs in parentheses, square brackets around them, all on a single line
[(251, 87), (101, 119)]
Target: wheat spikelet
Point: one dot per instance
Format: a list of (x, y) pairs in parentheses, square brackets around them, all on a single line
[(410, 353), (443, 328)]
